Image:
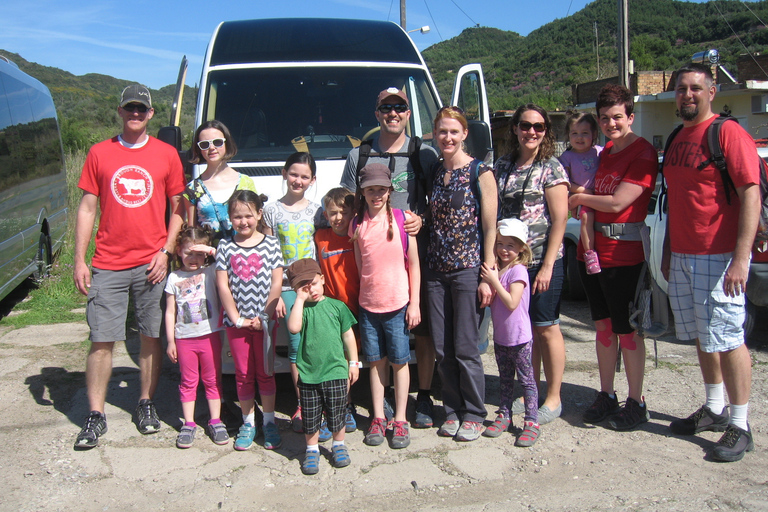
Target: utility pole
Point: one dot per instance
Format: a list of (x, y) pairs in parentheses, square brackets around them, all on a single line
[(623, 43), (597, 52), (402, 14)]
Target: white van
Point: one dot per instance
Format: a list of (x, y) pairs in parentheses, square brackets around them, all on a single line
[(287, 85), (33, 187)]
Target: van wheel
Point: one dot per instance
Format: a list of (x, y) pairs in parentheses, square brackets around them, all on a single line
[(43, 259), (572, 278)]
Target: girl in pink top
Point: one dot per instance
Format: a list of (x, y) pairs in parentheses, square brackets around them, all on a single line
[(388, 262)]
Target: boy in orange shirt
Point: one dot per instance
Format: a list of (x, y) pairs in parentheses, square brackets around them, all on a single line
[(337, 262)]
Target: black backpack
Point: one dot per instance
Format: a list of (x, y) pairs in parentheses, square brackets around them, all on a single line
[(717, 157)]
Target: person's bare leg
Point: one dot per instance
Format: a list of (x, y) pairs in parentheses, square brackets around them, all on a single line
[(379, 371), (552, 349), (634, 366), (98, 371), (402, 377), (736, 368), (150, 363), (188, 410), (606, 359), (425, 357), (710, 366)]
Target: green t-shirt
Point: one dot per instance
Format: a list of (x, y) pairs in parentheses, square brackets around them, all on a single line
[(321, 350)]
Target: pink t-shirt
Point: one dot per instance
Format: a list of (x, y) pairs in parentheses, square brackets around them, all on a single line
[(383, 277)]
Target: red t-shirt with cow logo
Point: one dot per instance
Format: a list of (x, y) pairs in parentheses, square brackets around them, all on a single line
[(132, 185)]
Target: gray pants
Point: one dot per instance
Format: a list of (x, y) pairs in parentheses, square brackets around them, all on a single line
[(454, 318)]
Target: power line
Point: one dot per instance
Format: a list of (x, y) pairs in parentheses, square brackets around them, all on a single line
[(753, 12), (465, 14), (569, 9), (434, 23), (714, 4)]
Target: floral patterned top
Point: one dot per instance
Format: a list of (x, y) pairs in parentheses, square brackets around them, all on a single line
[(455, 236), (211, 213), (534, 212)]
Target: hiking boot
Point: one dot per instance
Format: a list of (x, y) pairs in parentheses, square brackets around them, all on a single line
[(529, 436), (602, 407), (401, 437), (325, 434), (449, 428), (297, 424), (469, 431), (423, 413), (186, 437), (701, 420), (375, 434), (94, 427), (272, 440), (245, 436), (146, 417), (733, 444), (218, 433), (630, 416), (350, 423)]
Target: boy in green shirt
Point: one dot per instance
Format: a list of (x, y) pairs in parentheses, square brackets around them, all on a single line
[(325, 326)]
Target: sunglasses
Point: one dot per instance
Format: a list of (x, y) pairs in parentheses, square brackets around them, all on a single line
[(135, 107), (399, 108), (205, 144), (537, 127), (452, 109)]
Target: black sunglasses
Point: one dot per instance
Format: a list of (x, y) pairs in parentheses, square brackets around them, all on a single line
[(399, 108), (537, 127), (135, 107)]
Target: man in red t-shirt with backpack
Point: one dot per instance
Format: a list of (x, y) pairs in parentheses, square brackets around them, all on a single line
[(129, 177), (706, 259)]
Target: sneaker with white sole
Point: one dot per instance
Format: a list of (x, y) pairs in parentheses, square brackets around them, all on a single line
[(94, 427), (146, 417), (469, 431), (218, 433), (186, 437), (245, 436)]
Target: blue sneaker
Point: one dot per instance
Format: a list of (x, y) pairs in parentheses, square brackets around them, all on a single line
[(272, 439), (245, 436), (325, 434), (350, 423)]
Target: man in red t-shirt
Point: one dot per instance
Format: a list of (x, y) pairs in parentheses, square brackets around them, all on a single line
[(706, 259), (130, 178)]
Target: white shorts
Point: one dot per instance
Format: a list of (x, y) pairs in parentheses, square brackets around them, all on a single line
[(702, 309)]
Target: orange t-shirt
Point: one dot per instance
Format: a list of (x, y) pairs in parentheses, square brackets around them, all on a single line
[(336, 257)]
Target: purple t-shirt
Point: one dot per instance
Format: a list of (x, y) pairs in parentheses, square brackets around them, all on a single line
[(511, 328), (581, 167)]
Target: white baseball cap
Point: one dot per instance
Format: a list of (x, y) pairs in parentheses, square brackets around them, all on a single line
[(514, 228)]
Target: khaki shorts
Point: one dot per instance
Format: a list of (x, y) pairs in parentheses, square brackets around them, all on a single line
[(107, 306)]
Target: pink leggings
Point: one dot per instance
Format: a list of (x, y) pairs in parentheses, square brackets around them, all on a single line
[(248, 353), (200, 358)]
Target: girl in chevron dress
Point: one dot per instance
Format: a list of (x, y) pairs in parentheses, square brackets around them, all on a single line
[(249, 275)]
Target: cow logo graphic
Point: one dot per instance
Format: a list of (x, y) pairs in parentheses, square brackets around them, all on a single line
[(132, 186)]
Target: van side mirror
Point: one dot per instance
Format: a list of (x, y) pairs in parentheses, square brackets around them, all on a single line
[(172, 135), (479, 139)]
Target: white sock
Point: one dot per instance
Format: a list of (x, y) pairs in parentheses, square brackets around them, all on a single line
[(337, 443), (312, 448), (739, 416), (715, 397), (269, 417), (249, 418)]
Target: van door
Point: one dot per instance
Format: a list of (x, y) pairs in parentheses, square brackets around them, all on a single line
[(469, 94)]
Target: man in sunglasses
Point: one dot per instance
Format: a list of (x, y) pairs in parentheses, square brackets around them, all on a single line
[(130, 177), (410, 163)]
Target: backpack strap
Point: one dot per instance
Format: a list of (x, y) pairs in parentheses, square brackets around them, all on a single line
[(716, 154), (399, 216), (362, 158)]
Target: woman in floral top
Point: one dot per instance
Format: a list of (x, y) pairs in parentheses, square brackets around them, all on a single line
[(533, 187), (206, 197), (462, 236)]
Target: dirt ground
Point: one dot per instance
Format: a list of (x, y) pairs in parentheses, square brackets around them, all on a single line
[(574, 466)]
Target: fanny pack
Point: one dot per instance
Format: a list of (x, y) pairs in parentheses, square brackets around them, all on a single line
[(629, 231)]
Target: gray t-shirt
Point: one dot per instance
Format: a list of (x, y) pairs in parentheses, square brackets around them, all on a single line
[(406, 195)]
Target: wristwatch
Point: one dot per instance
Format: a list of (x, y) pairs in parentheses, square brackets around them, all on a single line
[(165, 251), (355, 364)]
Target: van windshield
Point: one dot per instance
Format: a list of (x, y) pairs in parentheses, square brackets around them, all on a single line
[(327, 110)]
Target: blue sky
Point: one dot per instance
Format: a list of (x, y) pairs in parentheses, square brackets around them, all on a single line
[(146, 41)]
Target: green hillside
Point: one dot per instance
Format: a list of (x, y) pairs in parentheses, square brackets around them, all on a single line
[(542, 66), (87, 104), (539, 68)]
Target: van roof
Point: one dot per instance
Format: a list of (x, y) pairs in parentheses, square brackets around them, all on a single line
[(311, 40)]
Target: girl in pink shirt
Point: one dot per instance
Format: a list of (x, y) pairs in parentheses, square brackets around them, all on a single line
[(388, 262)]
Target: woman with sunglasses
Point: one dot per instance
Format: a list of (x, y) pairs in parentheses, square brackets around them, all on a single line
[(462, 232), (533, 187), (206, 197)]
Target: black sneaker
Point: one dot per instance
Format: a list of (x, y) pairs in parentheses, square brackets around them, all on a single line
[(602, 407), (423, 413), (733, 444), (701, 420), (630, 416), (94, 427), (146, 417)]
